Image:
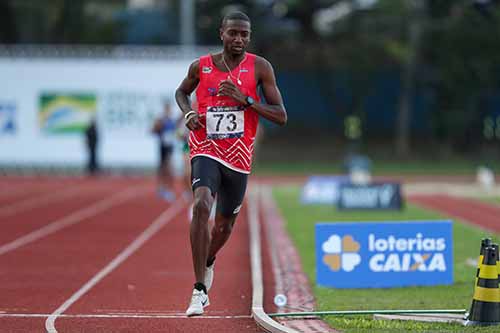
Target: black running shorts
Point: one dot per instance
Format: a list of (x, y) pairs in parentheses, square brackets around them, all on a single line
[(227, 184)]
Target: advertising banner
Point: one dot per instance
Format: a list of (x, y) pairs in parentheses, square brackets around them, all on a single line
[(384, 254), (7, 118), (48, 102), (66, 113), (371, 196), (322, 189)]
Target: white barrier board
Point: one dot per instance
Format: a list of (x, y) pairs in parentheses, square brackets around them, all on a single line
[(45, 104)]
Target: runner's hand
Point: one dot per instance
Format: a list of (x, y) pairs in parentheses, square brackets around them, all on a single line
[(228, 88), (193, 122)]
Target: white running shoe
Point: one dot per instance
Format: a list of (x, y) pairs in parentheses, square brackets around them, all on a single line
[(199, 300), (209, 276)]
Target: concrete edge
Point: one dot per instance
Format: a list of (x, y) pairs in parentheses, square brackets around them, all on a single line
[(258, 313)]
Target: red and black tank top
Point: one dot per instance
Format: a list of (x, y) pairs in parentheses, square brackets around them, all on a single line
[(229, 128)]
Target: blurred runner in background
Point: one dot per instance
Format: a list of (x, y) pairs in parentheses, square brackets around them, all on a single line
[(164, 128), (92, 139)]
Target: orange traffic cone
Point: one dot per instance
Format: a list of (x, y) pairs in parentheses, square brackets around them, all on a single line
[(485, 308)]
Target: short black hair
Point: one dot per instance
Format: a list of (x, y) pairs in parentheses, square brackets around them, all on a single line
[(235, 16)]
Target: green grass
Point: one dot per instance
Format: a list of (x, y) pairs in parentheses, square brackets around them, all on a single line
[(300, 221), (380, 167), (492, 200)]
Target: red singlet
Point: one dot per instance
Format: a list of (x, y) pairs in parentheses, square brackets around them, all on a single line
[(229, 132)]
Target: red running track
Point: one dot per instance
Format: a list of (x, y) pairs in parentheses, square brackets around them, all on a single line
[(147, 289), (467, 209), (16, 193), (31, 217)]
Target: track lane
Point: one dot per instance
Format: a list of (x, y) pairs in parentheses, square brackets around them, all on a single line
[(12, 195), (13, 227), (76, 217), (468, 209), (156, 225), (39, 277), (53, 197), (35, 280), (157, 280)]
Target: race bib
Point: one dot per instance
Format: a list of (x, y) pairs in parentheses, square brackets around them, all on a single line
[(225, 122)]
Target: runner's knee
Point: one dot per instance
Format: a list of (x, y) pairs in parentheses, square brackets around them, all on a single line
[(201, 208), (225, 229), (224, 226)]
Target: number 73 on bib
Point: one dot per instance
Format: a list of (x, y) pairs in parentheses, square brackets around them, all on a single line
[(225, 122)]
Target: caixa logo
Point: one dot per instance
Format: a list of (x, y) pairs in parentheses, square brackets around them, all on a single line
[(341, 253), (419, 253)]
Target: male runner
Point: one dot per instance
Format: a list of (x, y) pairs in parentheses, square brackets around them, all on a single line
[(222, 134)]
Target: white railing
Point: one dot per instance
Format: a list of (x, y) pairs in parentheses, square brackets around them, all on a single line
[(171, 52)]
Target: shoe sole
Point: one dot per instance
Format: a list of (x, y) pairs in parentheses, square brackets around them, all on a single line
[(199, 313), (194, 314)]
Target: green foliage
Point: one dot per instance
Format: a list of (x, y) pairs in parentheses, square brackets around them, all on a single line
[(461, 48)]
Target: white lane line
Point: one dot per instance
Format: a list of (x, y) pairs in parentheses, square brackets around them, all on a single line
[(126, 316), (71, 219), (271, 241), (258, 313), (42, 199), (153, 228)]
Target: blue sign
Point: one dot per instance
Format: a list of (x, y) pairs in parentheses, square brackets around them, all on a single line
[(371, 196), (7, 118), (322, 189), (384, 254)]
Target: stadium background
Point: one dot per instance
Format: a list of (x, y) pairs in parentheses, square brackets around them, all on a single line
[(412, 85), (418, 78)]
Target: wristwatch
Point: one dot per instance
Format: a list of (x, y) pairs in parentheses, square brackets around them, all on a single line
[(250, 101)]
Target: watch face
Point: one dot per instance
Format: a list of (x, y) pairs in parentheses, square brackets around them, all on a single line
[(250, 100)]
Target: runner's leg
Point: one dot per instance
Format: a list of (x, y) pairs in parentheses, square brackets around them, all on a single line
[(205, 180), (229, 201), (199, 234)]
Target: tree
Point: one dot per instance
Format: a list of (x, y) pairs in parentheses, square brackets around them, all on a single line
[(462, 50), (415, 31)]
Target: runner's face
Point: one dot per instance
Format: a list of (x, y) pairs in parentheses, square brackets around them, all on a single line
[(235, 35)]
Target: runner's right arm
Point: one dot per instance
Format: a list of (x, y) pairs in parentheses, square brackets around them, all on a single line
[(184, 91)]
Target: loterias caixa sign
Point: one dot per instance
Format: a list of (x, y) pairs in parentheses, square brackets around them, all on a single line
[(384, 254)]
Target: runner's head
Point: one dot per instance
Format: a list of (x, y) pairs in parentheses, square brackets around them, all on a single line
[(235, 32)]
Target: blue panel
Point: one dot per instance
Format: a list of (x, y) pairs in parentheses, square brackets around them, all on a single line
[(376, 196), (322, 189), (384, 254)]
